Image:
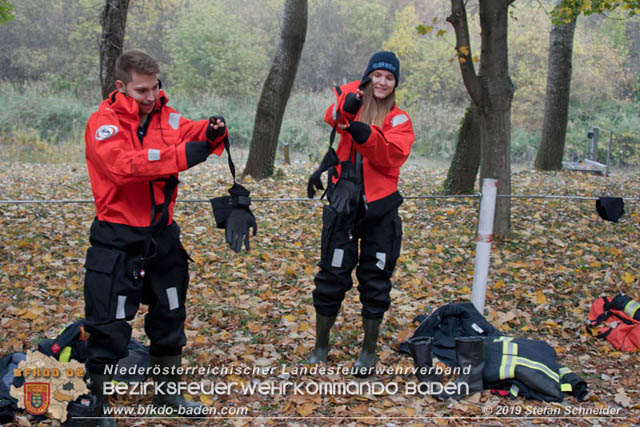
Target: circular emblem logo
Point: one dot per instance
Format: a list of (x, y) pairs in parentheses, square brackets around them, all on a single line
[(106, 131)]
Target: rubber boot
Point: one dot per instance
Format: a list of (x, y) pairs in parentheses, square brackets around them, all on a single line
[(366, 363), (175, 400), (469, 352), (96, 386), (323, 328), (421, 348)]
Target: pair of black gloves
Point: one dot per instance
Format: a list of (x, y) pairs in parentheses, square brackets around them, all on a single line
[(233, 214), (347, 188), (230, 212)]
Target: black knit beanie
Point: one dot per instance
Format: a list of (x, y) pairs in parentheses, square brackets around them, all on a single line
[(384, 60)]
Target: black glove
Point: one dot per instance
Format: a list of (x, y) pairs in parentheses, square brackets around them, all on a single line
[(359, 131), (329, 160), (344, 195), (315, 183), (351, 103), (196, 152), (221, 210), (213, 134), (240, 219)]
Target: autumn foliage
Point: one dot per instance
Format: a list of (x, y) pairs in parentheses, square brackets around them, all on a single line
[(256, 309)]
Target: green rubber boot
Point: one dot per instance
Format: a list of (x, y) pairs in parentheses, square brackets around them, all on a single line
[(366, 363), (96, 385), (166, 396), (323, 327)]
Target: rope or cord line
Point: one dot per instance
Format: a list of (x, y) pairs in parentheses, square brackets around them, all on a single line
[(551, 196), (305, 199), (285, 199)]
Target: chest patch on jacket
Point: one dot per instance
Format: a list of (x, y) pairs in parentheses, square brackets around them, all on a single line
[(153, 155), (398, 120), (174, 120), (106, 131)]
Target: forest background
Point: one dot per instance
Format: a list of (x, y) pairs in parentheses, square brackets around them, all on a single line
[(215, 55)]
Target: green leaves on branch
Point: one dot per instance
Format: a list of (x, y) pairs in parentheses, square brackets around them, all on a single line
[(569, 10), (6, 12)]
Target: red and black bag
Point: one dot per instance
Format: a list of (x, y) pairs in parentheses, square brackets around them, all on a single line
[(618, 320)]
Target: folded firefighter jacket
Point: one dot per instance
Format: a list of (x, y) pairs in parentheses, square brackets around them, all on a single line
[(528, 368), (523, 367)]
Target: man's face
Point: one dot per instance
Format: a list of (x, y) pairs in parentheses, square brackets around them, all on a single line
[(143, 88)]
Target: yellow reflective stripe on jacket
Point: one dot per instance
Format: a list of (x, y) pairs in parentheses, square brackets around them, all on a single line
[(508, 363), (564, 371), (631, 308), (65, 354), (537, 366), (514, 390)]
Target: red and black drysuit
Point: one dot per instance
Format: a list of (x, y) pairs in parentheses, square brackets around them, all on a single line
[(135, 254), (375, 160)]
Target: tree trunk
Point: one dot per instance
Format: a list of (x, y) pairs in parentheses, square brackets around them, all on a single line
[(492, 90), (556, 107), (497, 93), (114, 21), (464, 166), (276, 91)]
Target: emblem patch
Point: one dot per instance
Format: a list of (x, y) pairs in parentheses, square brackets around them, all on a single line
[(106, 131), (36, 398)]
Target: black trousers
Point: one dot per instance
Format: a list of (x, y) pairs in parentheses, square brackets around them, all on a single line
[(379, 241), (118, 279)]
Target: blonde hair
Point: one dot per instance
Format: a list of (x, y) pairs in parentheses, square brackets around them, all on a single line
[(374, 111)]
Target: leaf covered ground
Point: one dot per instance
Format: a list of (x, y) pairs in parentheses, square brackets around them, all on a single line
[(255, 309)]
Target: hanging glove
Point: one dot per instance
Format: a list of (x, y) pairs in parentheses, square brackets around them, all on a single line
[(213, 133), (344, 195), (329, 160), (240, 219)]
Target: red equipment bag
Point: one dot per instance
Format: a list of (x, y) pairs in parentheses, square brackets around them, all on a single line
[(618, 320)]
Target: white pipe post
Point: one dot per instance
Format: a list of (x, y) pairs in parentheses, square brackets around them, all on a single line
[(483, 244)]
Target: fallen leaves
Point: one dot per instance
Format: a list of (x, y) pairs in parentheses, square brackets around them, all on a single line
[(256, 308)]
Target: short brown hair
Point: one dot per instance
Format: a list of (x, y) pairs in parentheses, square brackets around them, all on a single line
[(134, 60)]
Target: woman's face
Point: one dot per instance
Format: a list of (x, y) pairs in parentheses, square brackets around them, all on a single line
[(383, 82)]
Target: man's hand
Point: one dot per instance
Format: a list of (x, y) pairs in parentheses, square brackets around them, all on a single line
[(215, 128)]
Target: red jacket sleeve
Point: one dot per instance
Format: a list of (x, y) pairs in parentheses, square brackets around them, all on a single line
[(389, 148)]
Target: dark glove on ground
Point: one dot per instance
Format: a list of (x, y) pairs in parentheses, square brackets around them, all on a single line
[(240, 220), (359, 131), (351, 103), (343, 194), (196, 152), (329, 160), (213, 134)]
